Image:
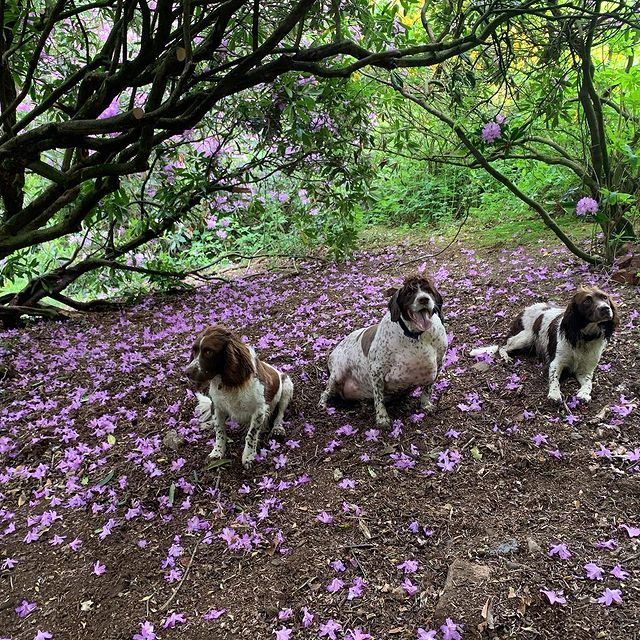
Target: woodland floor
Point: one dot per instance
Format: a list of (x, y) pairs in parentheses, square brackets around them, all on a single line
[(85, 478)]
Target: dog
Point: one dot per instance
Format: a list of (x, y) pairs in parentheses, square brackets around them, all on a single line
[(570, 340), (404, 350), (241, 386)]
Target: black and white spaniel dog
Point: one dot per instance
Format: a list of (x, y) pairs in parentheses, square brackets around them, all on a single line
[(404, 350), (241, 386), (571, 340)]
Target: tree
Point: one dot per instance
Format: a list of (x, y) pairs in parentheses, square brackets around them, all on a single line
[(98, 102), (571, 102)]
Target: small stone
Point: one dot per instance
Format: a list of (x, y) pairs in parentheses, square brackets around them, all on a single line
[(508, 547), (481, 366), (399, 594), (533, 546), (172, 440)]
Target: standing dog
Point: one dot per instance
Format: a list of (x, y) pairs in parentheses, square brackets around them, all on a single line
[(570, 339), (404, 350), (241, 386)]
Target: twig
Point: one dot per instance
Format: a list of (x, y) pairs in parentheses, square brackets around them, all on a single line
[(184, 577), (304, 584)]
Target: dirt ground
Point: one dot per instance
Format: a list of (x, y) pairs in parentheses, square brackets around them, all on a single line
[(365, 532)]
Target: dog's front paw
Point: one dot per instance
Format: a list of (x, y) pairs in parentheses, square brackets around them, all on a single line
[(216, 453), (383, 421), (248, 458), (555, 397), (583, 397)]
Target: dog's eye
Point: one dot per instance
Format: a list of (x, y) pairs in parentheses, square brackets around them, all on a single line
[(207, 353), (588, 300)]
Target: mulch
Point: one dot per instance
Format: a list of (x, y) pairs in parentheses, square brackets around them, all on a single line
[(89, 401)]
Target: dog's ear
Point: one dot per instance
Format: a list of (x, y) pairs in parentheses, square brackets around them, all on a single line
[(572, 322), (238, 364), (394, 307), (611, 325)]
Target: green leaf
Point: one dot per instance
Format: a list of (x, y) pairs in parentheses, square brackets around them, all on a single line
[(475, 454), (172, 493), (106, 478), (212, 464), (111, 439)]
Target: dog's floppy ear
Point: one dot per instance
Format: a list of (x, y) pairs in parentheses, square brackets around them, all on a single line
[(238, 365), (394, 307), (572, 322), (611, 325)]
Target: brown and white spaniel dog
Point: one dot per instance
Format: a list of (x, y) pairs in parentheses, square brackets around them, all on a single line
[(404, 350), (571, 340), (241, 386)]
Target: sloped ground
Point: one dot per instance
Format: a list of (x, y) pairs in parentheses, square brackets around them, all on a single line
[(321, 525)]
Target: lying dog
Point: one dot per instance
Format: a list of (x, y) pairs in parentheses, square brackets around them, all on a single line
[(404, 350), (241, 387), (570, 339)]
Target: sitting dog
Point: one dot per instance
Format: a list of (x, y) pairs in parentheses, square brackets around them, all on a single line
[(571, 340), (404, 350), (241, 386)]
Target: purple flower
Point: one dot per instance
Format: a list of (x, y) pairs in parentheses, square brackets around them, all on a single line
[(633, 532), (408, 566), (603, 452), (450, 630), (424, 634), (594, 572), (335, 585), (42, 635), (283, 634), (491, 131), (539, 439), (213, 614), (285, 614), (554, 597), (98, 568), (307, 618), (619, 572), (609, 596), (409, 587), (146, 632), (561, 550), (607, 544), (586, 205), (9, 563), (338, 565), (173, 619), (329, 629), (324, 517), (25, 608), (356, 589)]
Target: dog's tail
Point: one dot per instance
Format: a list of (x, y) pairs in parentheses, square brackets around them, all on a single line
[(204, 408), (491, 350)]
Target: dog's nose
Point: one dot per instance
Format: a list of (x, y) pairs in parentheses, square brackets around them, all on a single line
[(605, 311)]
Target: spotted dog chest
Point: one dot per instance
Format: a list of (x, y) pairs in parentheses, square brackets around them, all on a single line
[(415, 366)]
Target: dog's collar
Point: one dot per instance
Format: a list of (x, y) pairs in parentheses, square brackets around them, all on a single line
[(414, 335)]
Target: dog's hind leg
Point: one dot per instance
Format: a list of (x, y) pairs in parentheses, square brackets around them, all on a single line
[(329, 391), (520, 342), (277, 430)]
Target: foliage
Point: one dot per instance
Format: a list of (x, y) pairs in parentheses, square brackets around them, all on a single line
[(571, 103), (125, 129)]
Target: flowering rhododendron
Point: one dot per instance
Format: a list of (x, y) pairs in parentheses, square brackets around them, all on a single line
[(586, 205), (491, 132)]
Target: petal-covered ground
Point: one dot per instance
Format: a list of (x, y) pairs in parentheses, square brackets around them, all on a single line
[(497, 515)]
